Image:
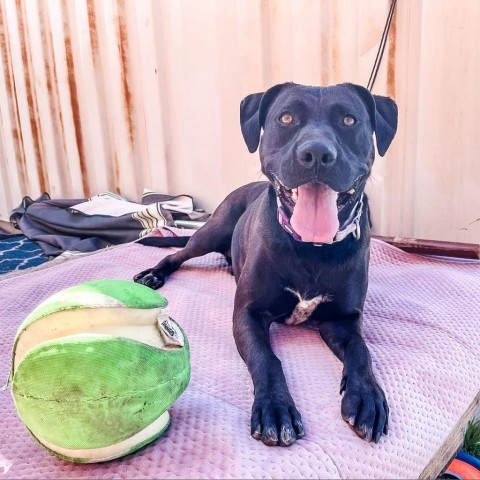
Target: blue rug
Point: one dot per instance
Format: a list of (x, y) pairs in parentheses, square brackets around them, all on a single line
[(18, 252)]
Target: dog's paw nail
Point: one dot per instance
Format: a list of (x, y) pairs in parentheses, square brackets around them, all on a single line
[(257, 433), (362, 432), (351, 421), (300, 429), (270, 436), (287, 436)]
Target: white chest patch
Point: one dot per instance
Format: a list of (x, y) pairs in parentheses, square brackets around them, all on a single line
[(305, 307)]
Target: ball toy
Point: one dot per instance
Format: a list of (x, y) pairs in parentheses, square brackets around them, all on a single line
[(95, 368)]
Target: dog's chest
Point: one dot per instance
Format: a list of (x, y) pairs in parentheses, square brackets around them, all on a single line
[(305, 307)]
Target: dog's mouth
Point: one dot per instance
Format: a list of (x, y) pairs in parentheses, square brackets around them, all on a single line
[(313, 209)]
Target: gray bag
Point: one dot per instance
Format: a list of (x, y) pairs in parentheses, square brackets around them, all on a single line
[(86, 225)]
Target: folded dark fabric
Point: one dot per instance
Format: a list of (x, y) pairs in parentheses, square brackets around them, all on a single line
[(86, 225), (179, 205)]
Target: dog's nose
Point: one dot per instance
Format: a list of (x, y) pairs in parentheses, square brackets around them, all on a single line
[(317, 153)]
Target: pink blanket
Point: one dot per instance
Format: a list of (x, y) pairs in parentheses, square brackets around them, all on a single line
[(422, 324)]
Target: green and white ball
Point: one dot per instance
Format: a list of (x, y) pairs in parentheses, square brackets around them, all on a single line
[(95, 368)]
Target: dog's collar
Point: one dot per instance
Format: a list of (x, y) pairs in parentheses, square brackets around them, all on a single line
[(351, 225)]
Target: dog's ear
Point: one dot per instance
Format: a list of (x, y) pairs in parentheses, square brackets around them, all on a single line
[(249, 120), (386, 118), (384, 115), (252, 115)]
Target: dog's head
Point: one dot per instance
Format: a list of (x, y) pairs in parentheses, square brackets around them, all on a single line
[(317, 149)]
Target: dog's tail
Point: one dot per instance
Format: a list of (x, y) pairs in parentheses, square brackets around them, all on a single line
[(164, 241)]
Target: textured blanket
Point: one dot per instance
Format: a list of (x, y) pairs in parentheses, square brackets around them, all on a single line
[(422, 324)]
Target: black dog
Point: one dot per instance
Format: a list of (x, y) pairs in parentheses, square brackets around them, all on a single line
[(299, 244)]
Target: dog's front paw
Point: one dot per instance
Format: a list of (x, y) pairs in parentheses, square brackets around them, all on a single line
[(276, 422), (364, 407), (152, 277)]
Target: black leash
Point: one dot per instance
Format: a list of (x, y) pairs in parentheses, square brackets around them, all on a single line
[(381, 48)]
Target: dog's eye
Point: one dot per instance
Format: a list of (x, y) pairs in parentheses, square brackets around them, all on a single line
[(349, 121), (287, 119)]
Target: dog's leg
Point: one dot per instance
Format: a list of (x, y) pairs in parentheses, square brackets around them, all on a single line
[(275, 419), (364, 405), (214, 236)]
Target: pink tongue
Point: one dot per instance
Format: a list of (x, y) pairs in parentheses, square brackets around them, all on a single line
[(315, 216)]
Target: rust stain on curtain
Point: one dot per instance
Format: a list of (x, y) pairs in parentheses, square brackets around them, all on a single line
[(92, 26), (52, 80), (12, 100), (75, 108), (123, 49), (392, 48), (116, 174), (31, 98)]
